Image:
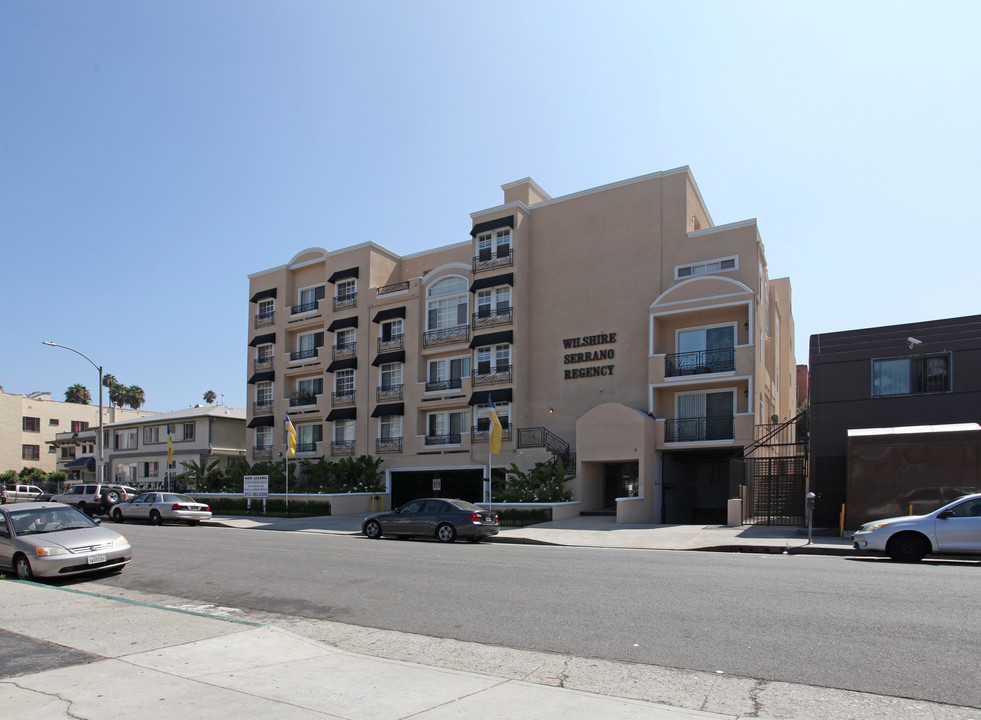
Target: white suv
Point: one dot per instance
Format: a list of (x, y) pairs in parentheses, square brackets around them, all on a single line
[(95, 499)]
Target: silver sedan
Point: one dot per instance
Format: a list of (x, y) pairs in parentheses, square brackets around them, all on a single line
[(55, 540), (158, 507)]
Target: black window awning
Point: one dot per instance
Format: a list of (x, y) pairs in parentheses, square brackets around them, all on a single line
[(263, 294), (389, 409), (345, 364), (87, 462), (351, 322), (343, 275), (389, 314), (263, 339), (262, 377), (488, 282), (499, 395), (389, 357), (505, 336), (349, 413), (492, 225), (262, 421)]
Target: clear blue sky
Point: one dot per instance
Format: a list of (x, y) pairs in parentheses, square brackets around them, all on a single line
[(154, 153)]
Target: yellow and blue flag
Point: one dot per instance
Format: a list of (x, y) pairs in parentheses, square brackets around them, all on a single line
[(290, 437), (170, 447), (496, 430)]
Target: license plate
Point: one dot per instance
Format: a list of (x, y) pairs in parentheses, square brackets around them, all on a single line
[(96, 559)]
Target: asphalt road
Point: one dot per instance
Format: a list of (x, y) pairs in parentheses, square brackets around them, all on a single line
[(851, 623)]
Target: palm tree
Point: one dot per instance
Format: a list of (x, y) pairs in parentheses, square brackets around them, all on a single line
[(78, 394), (134, 396), (209, 397), (108, 381), (117, 394)]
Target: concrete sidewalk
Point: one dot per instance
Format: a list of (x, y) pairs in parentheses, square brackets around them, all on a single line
[(603, 532), (83, 655)]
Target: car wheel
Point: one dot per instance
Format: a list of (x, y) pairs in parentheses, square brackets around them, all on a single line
[(446, 533), (373, 529), (117, 515), (907, 547), (155, 518), (23, 568), (110, 497)]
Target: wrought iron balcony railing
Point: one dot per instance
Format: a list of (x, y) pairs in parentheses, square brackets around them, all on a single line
[(386, 393), (396, 342), (304, 354), (261, 364), (307, 447), (262, 452), (491, 375), (481, 434), (700, 362), (444, 385), (342, 302), (485, 317), (342, 398), (342, 447), (488, 260), (451, 439), (262, 407), (265, 319), (305, 307), (389, 445), (699, 429), (304, 399), (394, 287), (344, 350), (446, 336)]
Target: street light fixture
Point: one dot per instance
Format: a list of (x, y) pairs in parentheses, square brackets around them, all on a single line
[(100, 461)]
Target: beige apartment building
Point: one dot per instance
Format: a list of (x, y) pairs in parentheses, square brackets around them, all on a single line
[(31, 424), (617, 328)]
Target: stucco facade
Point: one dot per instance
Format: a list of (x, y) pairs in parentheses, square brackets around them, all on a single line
[(616, 327)]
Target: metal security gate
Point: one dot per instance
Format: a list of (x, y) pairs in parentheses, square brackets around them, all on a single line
[(776, 476)]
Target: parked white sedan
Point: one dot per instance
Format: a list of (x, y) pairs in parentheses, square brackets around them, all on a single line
[(158, 507)]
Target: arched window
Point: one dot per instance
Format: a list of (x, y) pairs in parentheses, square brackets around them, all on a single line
[(446, 305)]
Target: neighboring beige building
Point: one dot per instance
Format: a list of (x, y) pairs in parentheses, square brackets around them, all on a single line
[(616, 327), (137, 449), (30, 424)]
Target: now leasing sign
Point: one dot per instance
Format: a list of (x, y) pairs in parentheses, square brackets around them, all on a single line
[(256, 486)]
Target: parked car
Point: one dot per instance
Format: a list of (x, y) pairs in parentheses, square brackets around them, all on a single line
[(22, 493), (954, 529), (55, 540), (95, 499), (158, 507), (445, 520)]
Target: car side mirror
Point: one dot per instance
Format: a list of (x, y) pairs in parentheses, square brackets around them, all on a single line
[(97, 521), (946, 514)]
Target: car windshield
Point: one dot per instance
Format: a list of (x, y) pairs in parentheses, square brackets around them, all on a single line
[(45, 520)]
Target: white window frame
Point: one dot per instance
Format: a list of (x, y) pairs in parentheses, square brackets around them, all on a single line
[(482, 412), (497, 299), (447, 304), (264, 392), (393, 425), (493, 354), (345, 338), (345, 382), (716, 266), (266, 308), (265, 352), (395, 372), (443, 420), (444, 367), (344, 431), (345, 289), (396, 328), (308, 386), (493, 240), (263, 434)]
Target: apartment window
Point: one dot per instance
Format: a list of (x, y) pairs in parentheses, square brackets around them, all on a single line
[(703, 350), (30, 452), (126, 474), (345, 339), (447, 304), (346, 290), (308, 298), (263, 438), (447, 373), (150, 469), (53, 422), (710, 267), (265, 309), (263, 393), (307, 344), (482, 413), (307, 437), (79, 425), (494, 301), (125, 439), (494, 244), (446, 428), (389, 427), (911, 376), (390, 376), (307, 390), (265, 353), (68, 452), (493, 359), (704, 416), (391, 334), (344, 382), (153, 434), (32, 424), (344, 431)]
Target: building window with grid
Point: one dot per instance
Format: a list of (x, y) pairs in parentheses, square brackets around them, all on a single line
[(446, 428), (30, 452), (911, 376), (493, 302), (307, 437), (447, 374), (446, 307), (32, 424), (343, 443), (496, 244)]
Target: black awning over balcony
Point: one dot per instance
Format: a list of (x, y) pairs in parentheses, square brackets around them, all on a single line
[(263, 294), (261, 376), (481, 283), (500, 395), (389, 357), (263, 339), (344, 275), (492, 225), (389, 314), (351, 322), (505, 336), (345, 364), (262, 421), (390, 409), (347, 413)]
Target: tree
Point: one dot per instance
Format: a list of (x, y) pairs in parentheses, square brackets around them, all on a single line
[(117, 394), (544, 483), (200, 475), (209, 397), (134, 396), (78, 394)]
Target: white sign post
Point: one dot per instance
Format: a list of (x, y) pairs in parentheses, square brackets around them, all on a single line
[(256, 486)]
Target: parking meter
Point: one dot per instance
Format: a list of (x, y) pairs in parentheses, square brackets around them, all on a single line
[(809, 503)]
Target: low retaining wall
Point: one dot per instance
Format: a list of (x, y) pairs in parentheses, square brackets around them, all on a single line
[(560, 511)]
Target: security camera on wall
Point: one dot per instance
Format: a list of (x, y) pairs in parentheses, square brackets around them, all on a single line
[(913, 341)]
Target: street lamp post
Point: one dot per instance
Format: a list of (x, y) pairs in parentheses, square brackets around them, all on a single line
[(100, 461)]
